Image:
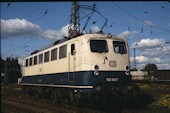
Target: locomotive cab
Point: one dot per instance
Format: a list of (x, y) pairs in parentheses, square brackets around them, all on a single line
[(107, 58)]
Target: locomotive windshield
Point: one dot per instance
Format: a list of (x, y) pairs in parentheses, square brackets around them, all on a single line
[(119, 47), (98, 46)]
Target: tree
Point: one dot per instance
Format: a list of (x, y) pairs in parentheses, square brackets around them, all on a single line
[(152, 69), (12, 72), (2, 69), (2, 65)]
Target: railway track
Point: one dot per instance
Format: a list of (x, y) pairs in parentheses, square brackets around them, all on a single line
[(27, 105), (15, 105), (14, 100)]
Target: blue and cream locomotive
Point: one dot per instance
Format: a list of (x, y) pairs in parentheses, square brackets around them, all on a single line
[(78, 64), (83, 64)]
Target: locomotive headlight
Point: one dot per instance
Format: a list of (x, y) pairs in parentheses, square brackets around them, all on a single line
[(127, 70), (127, 73), (96, 71)]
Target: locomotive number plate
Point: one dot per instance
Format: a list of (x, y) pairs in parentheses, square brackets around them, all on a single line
[(112, 79)]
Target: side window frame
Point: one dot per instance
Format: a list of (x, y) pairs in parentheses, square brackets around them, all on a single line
[(35, 60), (63, 52), (40, 61), (30, 61), (54, 52), (47, 56)]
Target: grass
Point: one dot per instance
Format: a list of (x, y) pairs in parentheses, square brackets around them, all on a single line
[(162, 102), (153, 86)]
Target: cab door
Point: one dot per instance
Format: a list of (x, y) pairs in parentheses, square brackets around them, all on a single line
[(40, 66), (72, 57)]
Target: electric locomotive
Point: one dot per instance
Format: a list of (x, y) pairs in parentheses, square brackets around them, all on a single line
[(78, 64), (84, 63)]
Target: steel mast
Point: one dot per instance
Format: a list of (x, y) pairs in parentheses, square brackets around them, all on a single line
[(74, 28)]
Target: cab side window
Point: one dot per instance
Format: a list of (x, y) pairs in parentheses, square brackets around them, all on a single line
[(26, 63), (72, 49)]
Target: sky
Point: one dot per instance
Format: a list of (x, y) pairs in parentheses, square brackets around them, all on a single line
[(29, 26)]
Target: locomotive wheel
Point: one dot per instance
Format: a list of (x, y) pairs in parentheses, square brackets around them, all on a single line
[(28, 90), (54, 95), (77, 97)]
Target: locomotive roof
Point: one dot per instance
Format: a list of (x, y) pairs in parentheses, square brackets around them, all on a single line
[(86, 36), (105, 36)]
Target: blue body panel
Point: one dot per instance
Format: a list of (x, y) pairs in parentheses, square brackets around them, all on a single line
[(82, 78)]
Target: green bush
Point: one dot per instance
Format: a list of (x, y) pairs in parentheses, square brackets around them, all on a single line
[(163, 102), (145, 86)]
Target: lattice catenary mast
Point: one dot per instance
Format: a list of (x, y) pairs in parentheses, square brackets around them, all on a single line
[(74, 28)]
